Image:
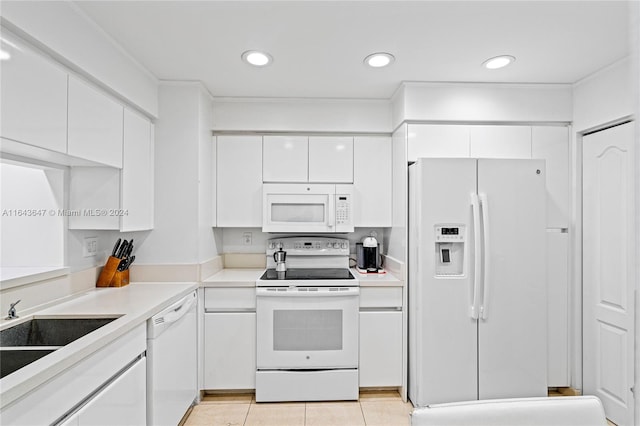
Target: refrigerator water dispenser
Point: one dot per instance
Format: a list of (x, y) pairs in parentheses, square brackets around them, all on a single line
[(450, 241)]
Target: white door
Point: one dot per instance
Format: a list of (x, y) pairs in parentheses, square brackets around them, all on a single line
[(608, 295), (512, 330)]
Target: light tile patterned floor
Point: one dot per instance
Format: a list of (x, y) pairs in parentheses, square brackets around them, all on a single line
[(384, 408)]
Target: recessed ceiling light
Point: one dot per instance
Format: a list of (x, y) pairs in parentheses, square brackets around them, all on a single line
[(256, 58), (498, 62), (379, 60)]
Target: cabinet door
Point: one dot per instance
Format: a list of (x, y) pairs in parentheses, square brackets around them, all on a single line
[(372, 181), (331, 159), (380, 348), (137, 174), (285, 159), (239, 181), (437, 141), (95, 125), (552, 144), (230, 350), (500, 142), (34, 98), (122, 402)]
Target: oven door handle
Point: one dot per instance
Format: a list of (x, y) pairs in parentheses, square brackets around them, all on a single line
[(344, 291)]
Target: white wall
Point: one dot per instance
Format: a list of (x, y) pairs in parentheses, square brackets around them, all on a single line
[(182, 231), (66, 33), (603, 97), (482, 102), (303, 115)]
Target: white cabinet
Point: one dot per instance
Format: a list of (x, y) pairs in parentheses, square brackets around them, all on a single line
[(437, 141), (239, 181), (552, 145), (380, 359), (331, 159), (95, 124), (110, 198), (285, 158), (34, 98), (137, 173), (500, 142), (122, 402), (372, 181), (230, 338)]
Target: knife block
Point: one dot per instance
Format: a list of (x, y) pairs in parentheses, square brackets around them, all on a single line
[(110, 276)]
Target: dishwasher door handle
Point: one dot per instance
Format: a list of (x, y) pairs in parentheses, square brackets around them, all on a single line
[(174, 313)]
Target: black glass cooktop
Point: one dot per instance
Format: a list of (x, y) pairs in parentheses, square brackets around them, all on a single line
[(308, 274)]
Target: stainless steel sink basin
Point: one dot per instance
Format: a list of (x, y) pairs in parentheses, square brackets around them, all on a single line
[(30, 340), (50, 331)]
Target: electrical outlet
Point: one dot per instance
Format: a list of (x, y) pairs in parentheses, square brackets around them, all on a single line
[(90, 246), (247, 238)]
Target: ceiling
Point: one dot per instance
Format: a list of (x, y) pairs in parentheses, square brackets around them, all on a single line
[(319, 46)]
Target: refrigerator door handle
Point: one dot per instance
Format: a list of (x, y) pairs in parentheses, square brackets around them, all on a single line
[(484, 207), (477, 256)]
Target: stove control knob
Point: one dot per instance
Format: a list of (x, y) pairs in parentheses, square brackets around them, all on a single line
[(343, 245), (335, 245), (272, 246), (328, 245)]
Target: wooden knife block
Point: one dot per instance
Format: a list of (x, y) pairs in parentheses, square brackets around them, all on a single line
[(110, 276)]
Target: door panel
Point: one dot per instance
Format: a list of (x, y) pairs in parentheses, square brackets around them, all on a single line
[(512, 336), (443, 335), (608, 307)]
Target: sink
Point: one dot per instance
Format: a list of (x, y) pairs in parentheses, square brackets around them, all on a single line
[(33, 339), (50, 331), (12, 360)]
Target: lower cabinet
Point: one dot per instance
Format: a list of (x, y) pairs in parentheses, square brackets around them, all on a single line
[(122, 402), (381, 362), (230, 339)]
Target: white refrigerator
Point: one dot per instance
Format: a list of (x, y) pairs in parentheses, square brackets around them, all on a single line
[(477, 287)]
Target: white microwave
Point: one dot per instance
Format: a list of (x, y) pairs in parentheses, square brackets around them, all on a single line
[(307, 207)]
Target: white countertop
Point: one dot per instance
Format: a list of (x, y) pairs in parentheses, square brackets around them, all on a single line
[(376, 280), (234, 277), (134, 303), (248, 277)]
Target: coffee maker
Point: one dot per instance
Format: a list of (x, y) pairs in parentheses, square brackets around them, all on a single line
[(368, 255)]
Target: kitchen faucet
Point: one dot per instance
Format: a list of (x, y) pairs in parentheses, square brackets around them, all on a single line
[(12, 310)]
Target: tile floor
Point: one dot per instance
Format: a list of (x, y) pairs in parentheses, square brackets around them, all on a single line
[(379, 408)]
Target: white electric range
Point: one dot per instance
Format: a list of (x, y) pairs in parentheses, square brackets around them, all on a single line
[(307, 323)]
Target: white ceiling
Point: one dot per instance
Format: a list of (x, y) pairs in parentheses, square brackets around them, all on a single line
[(318, 46)]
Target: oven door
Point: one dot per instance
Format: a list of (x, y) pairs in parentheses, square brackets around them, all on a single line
[(298, 208), (307, 327)]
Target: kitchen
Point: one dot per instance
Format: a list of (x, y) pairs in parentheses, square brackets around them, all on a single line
[(194, 188)]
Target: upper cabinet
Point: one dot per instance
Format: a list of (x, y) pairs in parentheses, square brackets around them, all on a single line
[(34, 98), (137, 173), (500, 142), (372, 181), (239, 181), (317, 159), (110, 198), (95, 124), (437, 141), (331, 159), (285, 158)]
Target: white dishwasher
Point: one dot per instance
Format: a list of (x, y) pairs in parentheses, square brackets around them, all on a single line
[(172, 377)]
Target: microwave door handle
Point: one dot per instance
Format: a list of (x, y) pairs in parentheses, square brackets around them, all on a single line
[(331, 206)]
